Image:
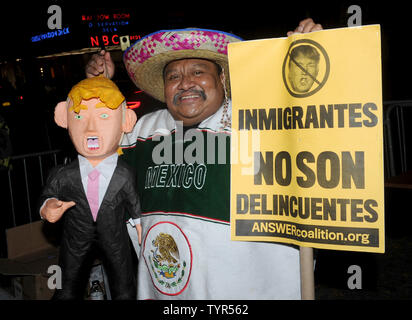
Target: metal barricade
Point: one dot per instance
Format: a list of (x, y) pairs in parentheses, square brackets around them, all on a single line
[(26, 177)]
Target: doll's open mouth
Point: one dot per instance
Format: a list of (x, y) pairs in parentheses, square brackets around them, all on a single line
[(93, 143)]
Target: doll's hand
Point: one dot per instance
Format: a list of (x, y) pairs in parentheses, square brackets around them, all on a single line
[(96, 65), (53, 209)]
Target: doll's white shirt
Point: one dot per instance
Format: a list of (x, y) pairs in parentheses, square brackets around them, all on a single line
[(105, 167)]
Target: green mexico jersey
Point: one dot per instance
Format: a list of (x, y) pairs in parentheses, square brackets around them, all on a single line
[(183, 179), (183, 170)]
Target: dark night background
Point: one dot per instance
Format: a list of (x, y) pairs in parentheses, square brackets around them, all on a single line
[(36, 92)]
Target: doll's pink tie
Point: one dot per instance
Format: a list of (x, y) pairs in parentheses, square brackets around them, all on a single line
[(93, 192)]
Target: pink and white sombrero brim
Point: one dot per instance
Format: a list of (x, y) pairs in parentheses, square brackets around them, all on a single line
[(146, 59)]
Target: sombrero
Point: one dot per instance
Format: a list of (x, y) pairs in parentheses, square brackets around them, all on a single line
[(146, 58)]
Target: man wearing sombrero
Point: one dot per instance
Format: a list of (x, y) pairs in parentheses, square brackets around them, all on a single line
[(185, 250)]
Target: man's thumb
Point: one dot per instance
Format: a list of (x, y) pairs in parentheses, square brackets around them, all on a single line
[(107, 56)]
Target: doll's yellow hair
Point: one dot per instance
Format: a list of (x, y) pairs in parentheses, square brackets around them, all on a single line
[(96, 87)]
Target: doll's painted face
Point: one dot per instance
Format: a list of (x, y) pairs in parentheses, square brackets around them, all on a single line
[(96, 130)]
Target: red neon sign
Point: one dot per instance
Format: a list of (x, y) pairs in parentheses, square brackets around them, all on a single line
[(103, 16), (106, 40), (133, 104)]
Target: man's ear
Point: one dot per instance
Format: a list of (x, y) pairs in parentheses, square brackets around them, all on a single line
[(130, 119), (60, 114)]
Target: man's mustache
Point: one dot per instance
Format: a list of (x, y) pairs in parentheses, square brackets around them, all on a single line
[(190, 91)]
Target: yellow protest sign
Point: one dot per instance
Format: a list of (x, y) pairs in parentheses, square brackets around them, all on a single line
[(307, 145)]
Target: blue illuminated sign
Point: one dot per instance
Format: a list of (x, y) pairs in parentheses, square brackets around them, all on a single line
[(51, 34)]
